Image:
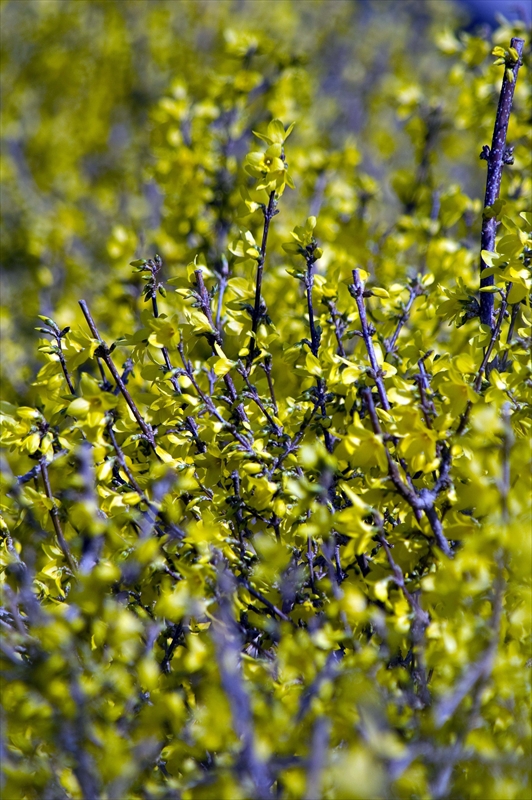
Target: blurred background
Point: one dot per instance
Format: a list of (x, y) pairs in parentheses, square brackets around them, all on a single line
[(124, 124)]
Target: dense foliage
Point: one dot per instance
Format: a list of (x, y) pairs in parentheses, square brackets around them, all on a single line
[(265, 517)]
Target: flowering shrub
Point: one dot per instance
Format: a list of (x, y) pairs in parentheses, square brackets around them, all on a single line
[(266, 517)]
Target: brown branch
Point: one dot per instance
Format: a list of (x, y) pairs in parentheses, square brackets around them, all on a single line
[(327, 673), (496, 157), (315, 337), (128, 369), (427, 404), (92, 540)]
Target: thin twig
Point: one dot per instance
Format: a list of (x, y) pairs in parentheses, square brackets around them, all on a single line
[(92, 542), (339, 327), (52, 329), (418, 501), (228, 643), (171, 648), (292, 446), (421, 618), (357, 290), (189, 421), (269, 212), (152, 511), (315, 339), (254, 395), (66, 373), (216, 338), (472, 683), (480, 374), (54, 515), (496, 157), (211, 408), (259, 596), (267, 367), (389, 344), (104, 353)]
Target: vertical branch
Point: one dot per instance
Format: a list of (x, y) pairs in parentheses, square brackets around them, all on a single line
[(53, 330), (74, 735), (128, 369), (155, 285), (432, 119), (310, 560), (228, 645), (164, 350), (309, 284), (481, 370), (216, 338), (315, 337), (357, 290), (223, 272), (496, 157), (504, 483), (339, 326), (471, 684), (64, 367), (267, 367), (54, 515), (269, 212), (427, 404), (420, 620), (93, 538), (177, 633), (317, 757)]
